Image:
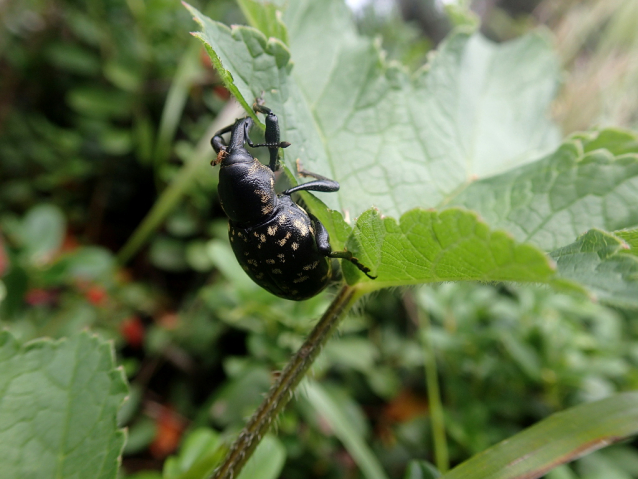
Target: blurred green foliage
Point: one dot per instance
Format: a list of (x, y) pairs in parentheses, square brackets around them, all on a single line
[(89, 138)]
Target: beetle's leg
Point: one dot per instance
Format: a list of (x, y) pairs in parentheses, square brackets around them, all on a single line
[(302, 172), (219, 145), (325, 186), (217, 142), (323, 245), (322, 183), (272, 135)]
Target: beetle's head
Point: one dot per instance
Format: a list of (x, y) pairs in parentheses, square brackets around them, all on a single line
[(240, 133)]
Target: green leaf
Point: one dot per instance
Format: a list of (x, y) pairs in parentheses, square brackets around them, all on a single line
[(42, 232), (266, 17), (421, 470), (267, 461), (58, 408), (168, 253), (344, 428), (198, 456), (630, 237), (560, 438), (98, 102), (617, 142), (246, 61), (553, 200), (595, 260), (88, 262), (392, 141), (463, 131), (454, 245)]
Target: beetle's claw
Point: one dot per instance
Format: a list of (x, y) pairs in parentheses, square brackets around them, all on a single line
[(220, 157)]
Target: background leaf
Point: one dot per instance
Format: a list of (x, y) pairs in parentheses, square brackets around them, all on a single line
[(344, 428), (42, 232), (421, 470), (595, 260), (266, 462), (561, 437), (551, 201), (392, 141), (58, 408)]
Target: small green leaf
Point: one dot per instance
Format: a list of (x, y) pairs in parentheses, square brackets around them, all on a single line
[(42, 232), (595, 261), (88, 263), (98, 102), (345, 429), (266, 17), (421, 470), (168, 253), (140, 436), (630, 237), (560, 438), (198, 456), (267, 461), (617, 142), (58, 409), (427, 246)]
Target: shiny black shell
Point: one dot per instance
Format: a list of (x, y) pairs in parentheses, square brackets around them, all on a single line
[(280, 254)]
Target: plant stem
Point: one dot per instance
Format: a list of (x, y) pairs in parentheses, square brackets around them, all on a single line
[(434, 395), (282, 390), (422, 321)]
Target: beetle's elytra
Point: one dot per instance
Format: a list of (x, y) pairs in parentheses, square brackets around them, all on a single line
[(283, 248)]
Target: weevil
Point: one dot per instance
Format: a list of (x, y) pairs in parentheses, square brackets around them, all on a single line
[(282, 247)]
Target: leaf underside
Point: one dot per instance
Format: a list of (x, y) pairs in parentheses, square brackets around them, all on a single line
[(469, 130)]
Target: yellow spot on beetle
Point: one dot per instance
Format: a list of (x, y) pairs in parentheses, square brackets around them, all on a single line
[(301, 226), (283, 241), (270, 261), (276, 271), (264, 196), (295, 246), (301, 280), (267, 209), (272, 230)]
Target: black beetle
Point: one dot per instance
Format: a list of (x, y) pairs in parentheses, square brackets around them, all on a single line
[(283, 248)]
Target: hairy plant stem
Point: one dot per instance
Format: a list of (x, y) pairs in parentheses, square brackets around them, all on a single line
[(282, 391)]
